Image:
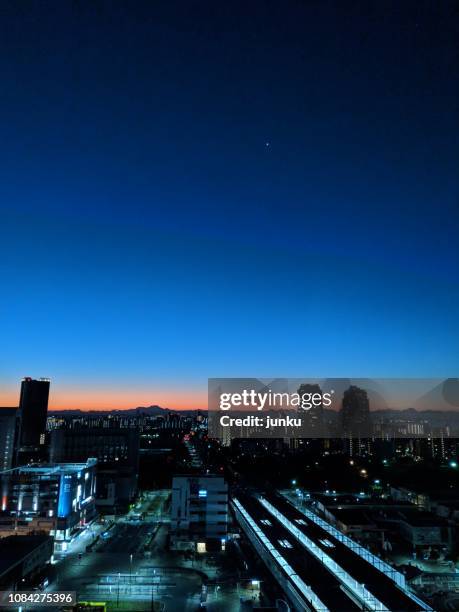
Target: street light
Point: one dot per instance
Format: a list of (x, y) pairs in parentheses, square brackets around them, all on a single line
[(130, 569)]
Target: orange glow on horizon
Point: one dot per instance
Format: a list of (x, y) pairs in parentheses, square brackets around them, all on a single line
[(114, 399)]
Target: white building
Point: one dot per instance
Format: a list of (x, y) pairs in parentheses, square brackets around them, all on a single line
[(199, 517)]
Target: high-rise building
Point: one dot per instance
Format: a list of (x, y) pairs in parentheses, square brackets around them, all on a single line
[(32, 413), (199, 514), (8, 419), (355, 413), (313, 419)]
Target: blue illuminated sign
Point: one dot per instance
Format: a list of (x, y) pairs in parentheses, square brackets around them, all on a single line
[(64, 505)]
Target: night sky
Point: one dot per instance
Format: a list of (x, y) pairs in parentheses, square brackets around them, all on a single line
[(210, 189)]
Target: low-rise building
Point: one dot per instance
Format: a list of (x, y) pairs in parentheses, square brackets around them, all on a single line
[(199, 513), (22, 557), (378, 521), (56, 499), (117, 453), (425, 529), (404, 494)]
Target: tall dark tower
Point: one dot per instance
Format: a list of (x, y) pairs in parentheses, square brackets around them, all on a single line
[(314, 417), (33, 408), (355, 413)]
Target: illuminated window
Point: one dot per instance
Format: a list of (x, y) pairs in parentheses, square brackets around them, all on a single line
[(201, 547)]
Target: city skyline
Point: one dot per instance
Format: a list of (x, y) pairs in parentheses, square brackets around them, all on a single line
[(97, 399), (385, 393)]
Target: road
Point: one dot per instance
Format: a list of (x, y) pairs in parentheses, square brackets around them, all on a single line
[(129, 580), (127, 538), (131, 567)]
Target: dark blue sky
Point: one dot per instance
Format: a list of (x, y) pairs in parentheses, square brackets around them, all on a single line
[(195, 189)]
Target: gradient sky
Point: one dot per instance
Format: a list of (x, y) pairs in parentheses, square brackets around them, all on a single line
[(207, 189)]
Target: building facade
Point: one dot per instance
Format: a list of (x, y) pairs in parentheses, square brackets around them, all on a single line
[(199, 513), (22, 557), (8, 420), (355, 413), (117, 452), (56, 499), (33, 408)]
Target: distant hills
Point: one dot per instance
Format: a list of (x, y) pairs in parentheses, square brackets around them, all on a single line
[(147, 410), (410, 414)]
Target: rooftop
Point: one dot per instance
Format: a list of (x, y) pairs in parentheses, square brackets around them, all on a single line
[(418, 518), (54, 468), (352, 516)]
